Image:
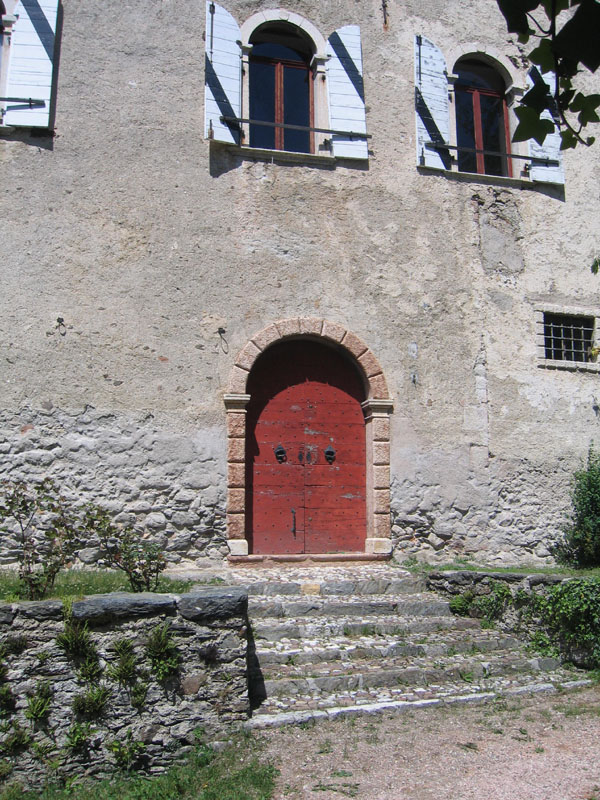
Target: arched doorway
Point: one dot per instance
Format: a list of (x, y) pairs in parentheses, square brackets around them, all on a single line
[(338, 350), (305, 451)]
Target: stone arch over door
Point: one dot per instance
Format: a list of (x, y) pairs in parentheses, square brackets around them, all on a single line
[(376, 408)]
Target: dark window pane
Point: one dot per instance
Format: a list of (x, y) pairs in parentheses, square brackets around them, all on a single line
[(296, 108), (465, 131), (479, 75), (492, 124), (567, 337), (277, 51), (262, 104)]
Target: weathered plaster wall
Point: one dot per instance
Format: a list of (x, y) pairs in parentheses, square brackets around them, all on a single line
[(209, 690), (146, 240)]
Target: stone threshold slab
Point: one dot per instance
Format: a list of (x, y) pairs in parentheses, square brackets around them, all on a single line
[(307, 559)]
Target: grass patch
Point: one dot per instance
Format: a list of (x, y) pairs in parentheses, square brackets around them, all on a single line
[(236, 773), (468, 566), (80, 582)]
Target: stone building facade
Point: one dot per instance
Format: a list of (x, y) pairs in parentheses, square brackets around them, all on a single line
[(158, 247)]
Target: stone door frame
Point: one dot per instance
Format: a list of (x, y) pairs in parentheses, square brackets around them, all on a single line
[(377, 409)]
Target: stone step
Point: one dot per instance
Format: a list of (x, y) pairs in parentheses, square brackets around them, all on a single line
[(421, 605), (383, 647), (400, 583), (273, 630), (330, 679), (296, 711)]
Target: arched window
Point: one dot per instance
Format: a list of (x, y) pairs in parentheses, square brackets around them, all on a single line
[(281, 88), (482, 130)]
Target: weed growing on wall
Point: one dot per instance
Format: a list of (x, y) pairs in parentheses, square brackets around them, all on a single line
[(78, 737), (91, 704), (127, 752), (580, 545), (488, 607), (38, 703), (162, 652)]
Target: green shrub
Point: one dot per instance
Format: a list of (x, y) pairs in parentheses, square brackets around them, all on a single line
[(571, 613), (162, 652), (493, 605), (461, 603), (137, 694), (580, 545), (47, 529), (76, 641), (124, 549), (16, 740), (7, 701)]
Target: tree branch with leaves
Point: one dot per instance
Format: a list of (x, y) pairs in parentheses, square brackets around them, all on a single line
[(567, 37)]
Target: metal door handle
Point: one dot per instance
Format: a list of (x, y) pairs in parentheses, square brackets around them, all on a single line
[(280, 453), (294, 521)]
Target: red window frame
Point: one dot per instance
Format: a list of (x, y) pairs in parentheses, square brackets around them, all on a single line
[(280, 64), (476, 93)]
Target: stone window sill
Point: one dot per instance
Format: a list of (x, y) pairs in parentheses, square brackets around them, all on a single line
[(569, 366), (285, 156), (489, 180)]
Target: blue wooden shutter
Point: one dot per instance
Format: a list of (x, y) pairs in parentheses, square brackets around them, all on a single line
[(551, 147), (223, 78), (431, 104), (346, 92), (31, 63)]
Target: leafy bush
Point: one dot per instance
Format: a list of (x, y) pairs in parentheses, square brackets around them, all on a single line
[(16, 740), (7, 701), (461, 603), (491, 606), (123, 548), (47, 529), (580, 545), (487, 607), (571, 613)]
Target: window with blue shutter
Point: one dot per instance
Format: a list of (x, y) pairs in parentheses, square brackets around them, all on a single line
[(295, 95), (32, 63), (482, 141)]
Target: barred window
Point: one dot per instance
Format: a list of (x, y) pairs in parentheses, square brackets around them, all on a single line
[(568, 337)]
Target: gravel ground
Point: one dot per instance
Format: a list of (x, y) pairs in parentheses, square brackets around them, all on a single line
[(545, 747)]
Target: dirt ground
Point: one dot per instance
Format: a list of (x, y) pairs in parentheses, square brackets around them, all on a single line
[(545, 747)]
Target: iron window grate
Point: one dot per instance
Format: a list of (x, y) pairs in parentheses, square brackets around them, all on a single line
[(568, 337)]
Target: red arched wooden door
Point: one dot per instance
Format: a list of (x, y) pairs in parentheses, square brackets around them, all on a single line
[(305, 469)]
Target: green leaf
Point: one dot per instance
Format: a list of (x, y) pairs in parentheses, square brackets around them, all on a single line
[(538, 97), (515, 14), (579, 36), (543, 56), (531, 125), (568, 140)]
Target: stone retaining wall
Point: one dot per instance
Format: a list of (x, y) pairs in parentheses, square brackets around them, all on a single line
[(208, 691), (458, 581)]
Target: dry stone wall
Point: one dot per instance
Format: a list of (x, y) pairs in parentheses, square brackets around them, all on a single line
[(206, 692)]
